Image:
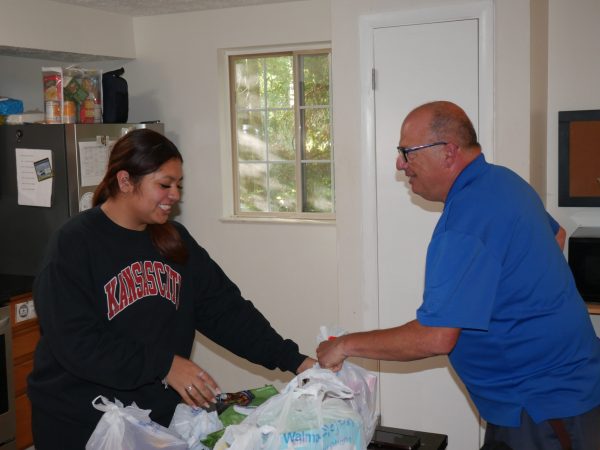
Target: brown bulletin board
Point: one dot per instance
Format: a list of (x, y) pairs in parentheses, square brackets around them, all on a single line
[(579, 158), (584, 159)]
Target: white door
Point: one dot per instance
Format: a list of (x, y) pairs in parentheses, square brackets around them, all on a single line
[(416, 63)]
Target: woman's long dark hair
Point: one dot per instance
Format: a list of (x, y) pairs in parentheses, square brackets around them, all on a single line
[(141, 152)]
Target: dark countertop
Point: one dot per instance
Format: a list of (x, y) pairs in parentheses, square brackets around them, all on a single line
[(399, 438), (13, 285)]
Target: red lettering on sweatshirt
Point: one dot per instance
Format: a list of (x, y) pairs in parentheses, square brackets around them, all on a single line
[(112, 303), (138, 281), (124, 296), (176, 278), (136, 268), (159, 270), (151, 287), (127, 284), (168, 294)]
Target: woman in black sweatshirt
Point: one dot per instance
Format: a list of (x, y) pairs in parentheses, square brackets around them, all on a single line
[(120, 296)]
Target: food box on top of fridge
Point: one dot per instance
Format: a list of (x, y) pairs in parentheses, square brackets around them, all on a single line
[(72, 95)]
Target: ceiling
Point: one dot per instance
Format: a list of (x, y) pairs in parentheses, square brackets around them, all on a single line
[(137, 8), (134, 8)]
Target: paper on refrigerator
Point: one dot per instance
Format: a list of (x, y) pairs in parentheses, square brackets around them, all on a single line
[(34, 177), (93, 159)]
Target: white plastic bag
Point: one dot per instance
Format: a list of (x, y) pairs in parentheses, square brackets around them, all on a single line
[(309, 414), (248, 436), (193, 425), (364, 387), (129, 428), (362, 383)]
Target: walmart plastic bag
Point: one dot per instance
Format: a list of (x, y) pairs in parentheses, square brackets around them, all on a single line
[(362, 383), (129, 428), (364, 387), (193, 425), (311, 413)]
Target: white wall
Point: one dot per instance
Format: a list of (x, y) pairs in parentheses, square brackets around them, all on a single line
[(288, 270), (574, 73), (57, 27)]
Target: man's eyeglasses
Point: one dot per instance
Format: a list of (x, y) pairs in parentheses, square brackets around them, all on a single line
[(404, 151)]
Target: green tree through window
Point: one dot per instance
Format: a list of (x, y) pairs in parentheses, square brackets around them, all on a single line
[(282, 140)]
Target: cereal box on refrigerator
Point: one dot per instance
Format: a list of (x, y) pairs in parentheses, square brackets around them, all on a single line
[(53, 94)]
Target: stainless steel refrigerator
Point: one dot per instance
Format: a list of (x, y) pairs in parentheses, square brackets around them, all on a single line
[(47, 174)]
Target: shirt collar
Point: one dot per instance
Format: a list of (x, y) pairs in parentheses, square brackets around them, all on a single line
[(468, 174)]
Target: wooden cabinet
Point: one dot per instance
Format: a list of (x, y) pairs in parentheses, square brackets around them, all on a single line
[(25, 335)]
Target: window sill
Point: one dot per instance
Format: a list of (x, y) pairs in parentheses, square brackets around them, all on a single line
[(277, 221)]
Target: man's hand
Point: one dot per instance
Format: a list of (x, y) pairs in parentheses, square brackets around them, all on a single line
[(331, 354)]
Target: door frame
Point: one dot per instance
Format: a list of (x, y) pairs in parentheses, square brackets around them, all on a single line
[(484, 13)]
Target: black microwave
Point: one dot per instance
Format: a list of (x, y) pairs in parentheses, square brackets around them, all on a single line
[(584, 260)]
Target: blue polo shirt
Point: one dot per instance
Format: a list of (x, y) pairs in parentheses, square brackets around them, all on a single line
[(494, 270)]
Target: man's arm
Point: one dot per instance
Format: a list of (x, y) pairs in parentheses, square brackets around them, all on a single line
[(559, 232), (408, 342)]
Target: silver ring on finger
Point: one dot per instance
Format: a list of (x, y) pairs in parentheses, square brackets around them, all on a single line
[(190, 388), (200, 374)]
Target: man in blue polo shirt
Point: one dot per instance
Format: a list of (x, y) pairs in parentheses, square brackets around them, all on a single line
[(496, 278)]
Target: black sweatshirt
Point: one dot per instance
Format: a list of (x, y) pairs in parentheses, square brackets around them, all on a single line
[(113, 313)]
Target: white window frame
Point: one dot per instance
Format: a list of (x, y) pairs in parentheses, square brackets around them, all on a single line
[(230, 162)]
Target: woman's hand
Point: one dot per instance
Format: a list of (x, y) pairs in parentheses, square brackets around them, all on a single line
[(306, 364), (195, 386)]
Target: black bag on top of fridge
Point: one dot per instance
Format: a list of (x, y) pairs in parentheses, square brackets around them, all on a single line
[(116, 97)]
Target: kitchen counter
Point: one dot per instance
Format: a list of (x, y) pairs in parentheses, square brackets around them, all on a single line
[(398, 438)]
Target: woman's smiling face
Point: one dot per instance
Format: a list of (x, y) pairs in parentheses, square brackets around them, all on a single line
[(155, 195)]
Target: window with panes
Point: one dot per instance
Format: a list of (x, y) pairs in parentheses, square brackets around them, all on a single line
[(281, 134)]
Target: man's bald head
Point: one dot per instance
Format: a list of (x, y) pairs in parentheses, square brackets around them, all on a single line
[(447, 122), (443, 143)]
